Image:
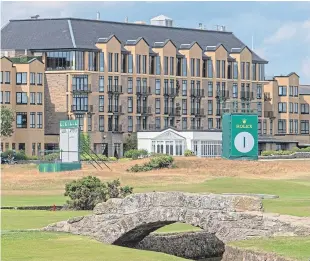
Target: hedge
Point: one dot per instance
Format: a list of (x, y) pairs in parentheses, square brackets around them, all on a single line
[(284, 152), (158, 162), (135, 154)]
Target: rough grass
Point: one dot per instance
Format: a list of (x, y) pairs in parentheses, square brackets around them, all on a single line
[(296, 247), (39, 246)]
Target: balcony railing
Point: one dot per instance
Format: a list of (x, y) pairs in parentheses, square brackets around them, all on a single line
[(173, 111), (198, 112), (82, 108), (143, 90), (115, 128), (115, 88), (118, 110), (267, 96), (245, 95), (222, 94), (146, 110), (269, 114), (197, 92), (81, 88), (148, 127), (196, 127), (171, 92)]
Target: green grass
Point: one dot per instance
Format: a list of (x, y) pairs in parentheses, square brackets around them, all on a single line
[(297, 248), (29, 219), (177, 227), (39, 246), (41, 200)]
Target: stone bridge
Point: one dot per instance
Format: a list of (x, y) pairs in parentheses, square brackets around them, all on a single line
[(128, 221)]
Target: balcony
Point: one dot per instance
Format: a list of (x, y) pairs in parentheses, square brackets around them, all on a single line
[(118, 110), (144, 110), (174, 111), (198, 112), (148, 127), (115, 128), (245, 95), (269, 114), (267, 96), (117, 89), (197, 92), (196, 127), (222, 94), (144, 91), (81, 88), (172, 92), (79, 108)]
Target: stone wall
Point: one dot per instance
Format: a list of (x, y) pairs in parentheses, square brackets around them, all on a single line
[(191, 245), (229, 218), (238, 254)]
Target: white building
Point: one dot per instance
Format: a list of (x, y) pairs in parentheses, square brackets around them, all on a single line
[(170, 141)]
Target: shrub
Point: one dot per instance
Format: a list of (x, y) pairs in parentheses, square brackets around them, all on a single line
[(87, 192), (51, 157), (112, 159), (267, 153), (33, 157), (135, 154), (188, 153), (157, 162), (131, 142), (87, 157), (20, 155)]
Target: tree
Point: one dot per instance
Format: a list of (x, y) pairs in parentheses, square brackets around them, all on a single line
[(84, 143), (7, 119), (131, 143)]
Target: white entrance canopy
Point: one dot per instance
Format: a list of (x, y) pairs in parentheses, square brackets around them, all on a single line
[(173, 142)]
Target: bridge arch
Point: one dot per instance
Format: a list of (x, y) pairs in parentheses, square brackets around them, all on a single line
[(127, 221)]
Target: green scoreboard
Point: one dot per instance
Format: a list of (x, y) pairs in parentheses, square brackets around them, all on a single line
[(240, 136)]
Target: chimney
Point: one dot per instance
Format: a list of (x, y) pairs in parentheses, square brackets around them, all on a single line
[(98, 16)]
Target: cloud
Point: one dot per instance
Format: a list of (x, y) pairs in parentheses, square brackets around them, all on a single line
[(286, 32)]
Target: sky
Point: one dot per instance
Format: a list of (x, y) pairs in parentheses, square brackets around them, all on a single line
[(281, 30)]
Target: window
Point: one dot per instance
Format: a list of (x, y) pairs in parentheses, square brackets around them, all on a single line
[(184, 88), (198, 67), (101, 62), (32, 98), (271, 127), (192, 67), (124, 63), (101, 123), (80, 102), (184, 106), (218, 69), (184, 66), (130, 63), (129, 85), (21, 78), (157, 61), (296, 91), (138, 63), (184, 123), (92, 61), (282, 90), (291, 91), (116, 56), (229, 70), (130, 124), (39, 98), (39, 120), (39, 78), (254, 74), (171, 65), (296, 126), (32, 78), (157, 123), (166, 65), (210, 89), (1, 97), (210, 68), (1, 77), (32, 120), (265, 126), (261, 72), (130, 104), (7, 77), (248, 71), (21, 98), (259, 127), (144, 59), (157, 86), (21, 120), (242, 70), (295, 107), (218, 123), (101, 83), (210, 123), (59, 60), (223, 69), (235, 90), (304, 108), (7, 97), (291, 125), (101, 103), (235, 71), (259, 91), (157, 105), (259, 109), (291, 107), (210, 107), (304, 127), (281, 126), (282, 107), (110, 62)]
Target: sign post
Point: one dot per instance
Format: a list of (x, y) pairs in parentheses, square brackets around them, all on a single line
[(240, 136)]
